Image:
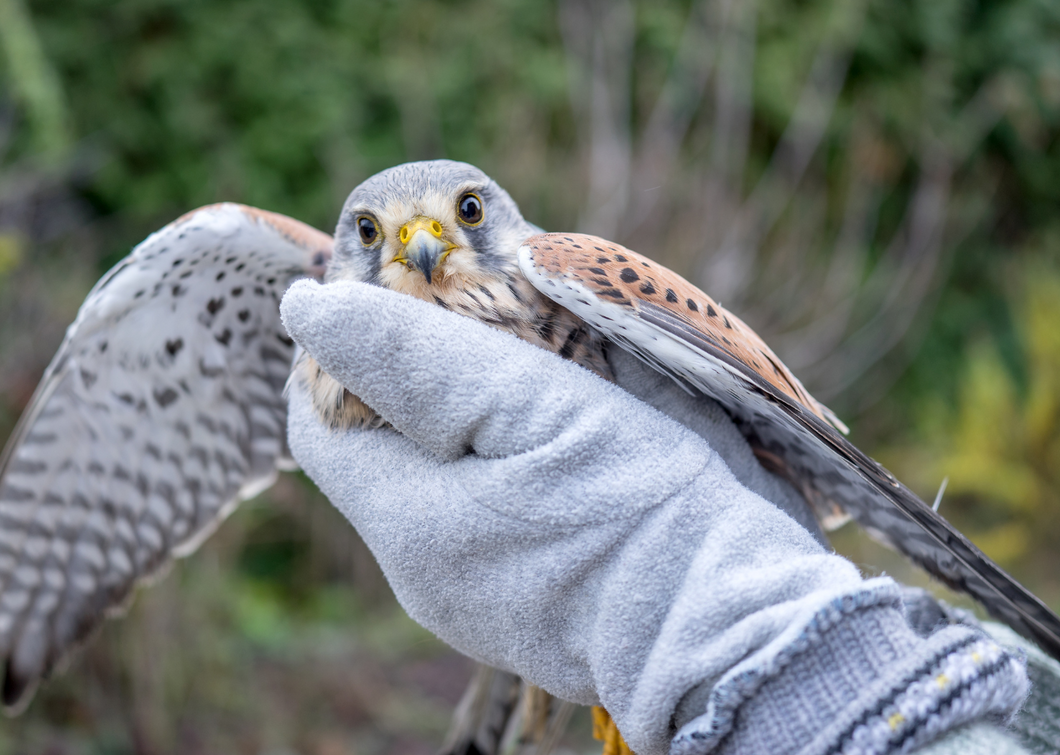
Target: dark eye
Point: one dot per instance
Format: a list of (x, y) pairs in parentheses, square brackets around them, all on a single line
[(368, 230), (470, 209)]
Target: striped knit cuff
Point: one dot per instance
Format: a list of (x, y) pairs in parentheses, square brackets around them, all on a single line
[(865, 685), (974, 681)]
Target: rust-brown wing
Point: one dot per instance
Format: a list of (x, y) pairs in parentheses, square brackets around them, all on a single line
[(621, 277), (676, 328)]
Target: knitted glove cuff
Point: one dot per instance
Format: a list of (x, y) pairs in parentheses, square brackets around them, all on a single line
[(859, 681)]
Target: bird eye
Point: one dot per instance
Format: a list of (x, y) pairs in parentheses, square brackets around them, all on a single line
[(470, 209), (368, 230)]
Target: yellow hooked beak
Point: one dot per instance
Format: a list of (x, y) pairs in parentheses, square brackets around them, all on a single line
[(425, 246)]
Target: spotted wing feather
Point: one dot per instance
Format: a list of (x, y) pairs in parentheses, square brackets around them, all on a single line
[(681, 331), (162, 409)]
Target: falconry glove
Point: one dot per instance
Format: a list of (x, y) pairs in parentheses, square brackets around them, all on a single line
[(547, 522)]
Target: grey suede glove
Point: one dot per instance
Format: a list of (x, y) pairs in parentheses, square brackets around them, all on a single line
[(544, 521)]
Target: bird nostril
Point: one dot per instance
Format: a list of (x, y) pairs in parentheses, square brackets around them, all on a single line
[(417, 224)]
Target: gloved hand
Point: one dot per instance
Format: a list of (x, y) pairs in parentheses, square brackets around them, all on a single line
[(544, 521)]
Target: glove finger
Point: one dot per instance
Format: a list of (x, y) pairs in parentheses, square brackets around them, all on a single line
[(448, 382), (352, 468), (456, 386)]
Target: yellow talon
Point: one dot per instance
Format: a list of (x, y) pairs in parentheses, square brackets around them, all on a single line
[(605, 730)]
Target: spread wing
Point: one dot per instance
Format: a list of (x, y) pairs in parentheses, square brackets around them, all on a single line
[(682, 332), (162, 409)]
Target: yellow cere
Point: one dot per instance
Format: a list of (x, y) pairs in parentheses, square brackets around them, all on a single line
[(430, 225)]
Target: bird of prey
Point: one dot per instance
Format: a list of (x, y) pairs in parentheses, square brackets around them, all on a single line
[(164, 404)]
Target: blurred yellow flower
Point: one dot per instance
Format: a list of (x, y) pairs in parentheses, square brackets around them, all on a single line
[(10, 252)]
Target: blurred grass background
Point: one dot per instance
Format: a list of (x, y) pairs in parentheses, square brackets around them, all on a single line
[(872, 184)]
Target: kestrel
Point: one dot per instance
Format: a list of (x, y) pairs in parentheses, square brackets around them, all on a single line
[(164, 407)]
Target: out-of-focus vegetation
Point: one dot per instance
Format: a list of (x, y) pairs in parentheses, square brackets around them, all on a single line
[(999, 442), (872, 184)]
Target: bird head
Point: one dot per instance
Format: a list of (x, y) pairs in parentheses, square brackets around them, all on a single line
[(421, 227)]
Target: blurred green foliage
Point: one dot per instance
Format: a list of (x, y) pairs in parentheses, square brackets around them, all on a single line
[(288, 104), (999, 444), (281, 635), (33, 80)]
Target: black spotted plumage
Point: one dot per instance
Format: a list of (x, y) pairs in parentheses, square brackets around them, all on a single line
[(155, 417)]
